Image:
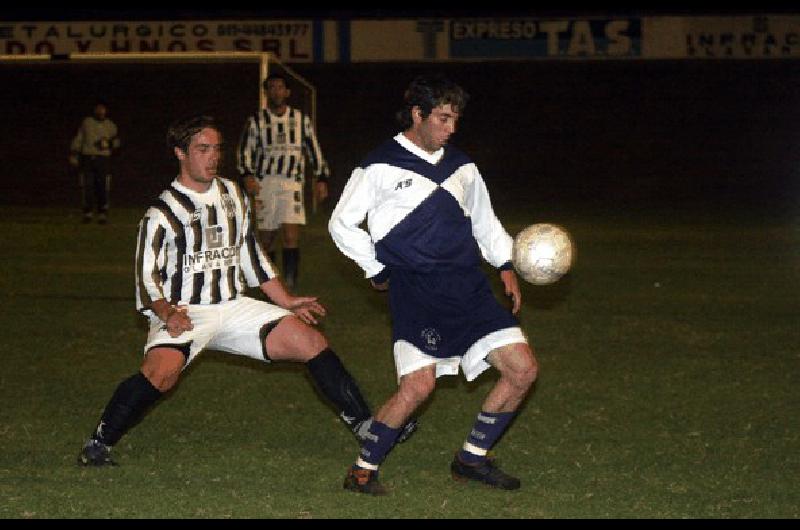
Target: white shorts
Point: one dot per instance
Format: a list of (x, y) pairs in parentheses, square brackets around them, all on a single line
[(280, 201), (408, 358), (233, 327)]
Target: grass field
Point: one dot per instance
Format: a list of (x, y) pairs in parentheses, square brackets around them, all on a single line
[(670, 368)]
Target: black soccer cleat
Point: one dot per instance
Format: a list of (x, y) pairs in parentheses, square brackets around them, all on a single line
[(363, 481), (361, 430), (408, 430), (95, 453), (486, 472)]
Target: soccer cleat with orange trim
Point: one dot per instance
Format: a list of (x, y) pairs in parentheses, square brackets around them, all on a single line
[(363, 481)]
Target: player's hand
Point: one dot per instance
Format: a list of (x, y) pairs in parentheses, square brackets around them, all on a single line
[(251, 185), (321, 191), (384, 286), (178, 321), (305, 307), (512, 289), (73, 160)]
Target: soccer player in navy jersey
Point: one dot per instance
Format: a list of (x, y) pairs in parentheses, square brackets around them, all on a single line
[(430, 222), (195, 255)]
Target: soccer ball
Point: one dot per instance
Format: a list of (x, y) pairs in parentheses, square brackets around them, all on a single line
[(543, 253)]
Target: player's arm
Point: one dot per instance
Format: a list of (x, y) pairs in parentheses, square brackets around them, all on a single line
[(75, 147), (495, 243), (259, 272), (357, 198), (493, 240), (511, 285), (114, 142), (151, 258), (305, 307), (256, 267), (176, 318), (248, 153), (316, 159)]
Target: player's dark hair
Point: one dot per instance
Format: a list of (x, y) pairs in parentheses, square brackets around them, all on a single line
[(428, 92), (272, 77), (180, 132)]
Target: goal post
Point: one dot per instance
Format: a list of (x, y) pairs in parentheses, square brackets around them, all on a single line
[(45, 98), (262, 60)]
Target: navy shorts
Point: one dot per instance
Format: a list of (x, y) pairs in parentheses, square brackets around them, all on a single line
[(445, 313)]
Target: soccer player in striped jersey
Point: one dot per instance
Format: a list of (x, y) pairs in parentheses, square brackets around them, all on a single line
[(430, 222), (271, 160), (196, 253)]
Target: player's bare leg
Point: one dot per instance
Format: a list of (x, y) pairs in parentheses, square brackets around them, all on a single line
[(518, 370), (162, 366), (387, 426), (414, 389)]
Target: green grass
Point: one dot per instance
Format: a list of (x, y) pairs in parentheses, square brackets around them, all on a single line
[(669, 373)]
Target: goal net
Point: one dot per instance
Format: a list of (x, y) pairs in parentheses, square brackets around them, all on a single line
[(45, 98)]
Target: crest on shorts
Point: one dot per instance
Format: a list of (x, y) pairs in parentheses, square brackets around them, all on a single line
[(431, 339)]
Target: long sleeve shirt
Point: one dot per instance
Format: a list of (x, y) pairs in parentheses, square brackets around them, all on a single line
[(425, 212), (198, 248)]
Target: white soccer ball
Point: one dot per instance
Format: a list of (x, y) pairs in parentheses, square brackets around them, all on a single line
[(543, 253)]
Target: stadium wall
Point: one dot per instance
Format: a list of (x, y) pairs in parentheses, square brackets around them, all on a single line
[(721, 130), (623, 132)]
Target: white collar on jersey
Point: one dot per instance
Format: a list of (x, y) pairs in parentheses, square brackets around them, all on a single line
[(431, 158), (206, 196), (286, 113)]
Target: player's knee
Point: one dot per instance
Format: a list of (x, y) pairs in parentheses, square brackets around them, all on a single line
[(531, 372), (162, 380), (310, 341), (527, 372), (415, 388), (163, 368), (294, 340), (317, 342), (521, 372)]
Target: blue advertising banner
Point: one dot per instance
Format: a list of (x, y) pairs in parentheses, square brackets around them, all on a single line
[(530, 38)]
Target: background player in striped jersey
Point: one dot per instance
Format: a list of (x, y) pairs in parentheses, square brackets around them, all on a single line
[(196, 250), (430, 221), (90, 153), (271, 159)]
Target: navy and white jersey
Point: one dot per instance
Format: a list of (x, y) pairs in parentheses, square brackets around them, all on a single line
[(95, 137), (198, 248), (277, 146), (425, 212)]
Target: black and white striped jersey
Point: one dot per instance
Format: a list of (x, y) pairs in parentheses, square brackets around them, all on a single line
[(198, 248), (277, 146)]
